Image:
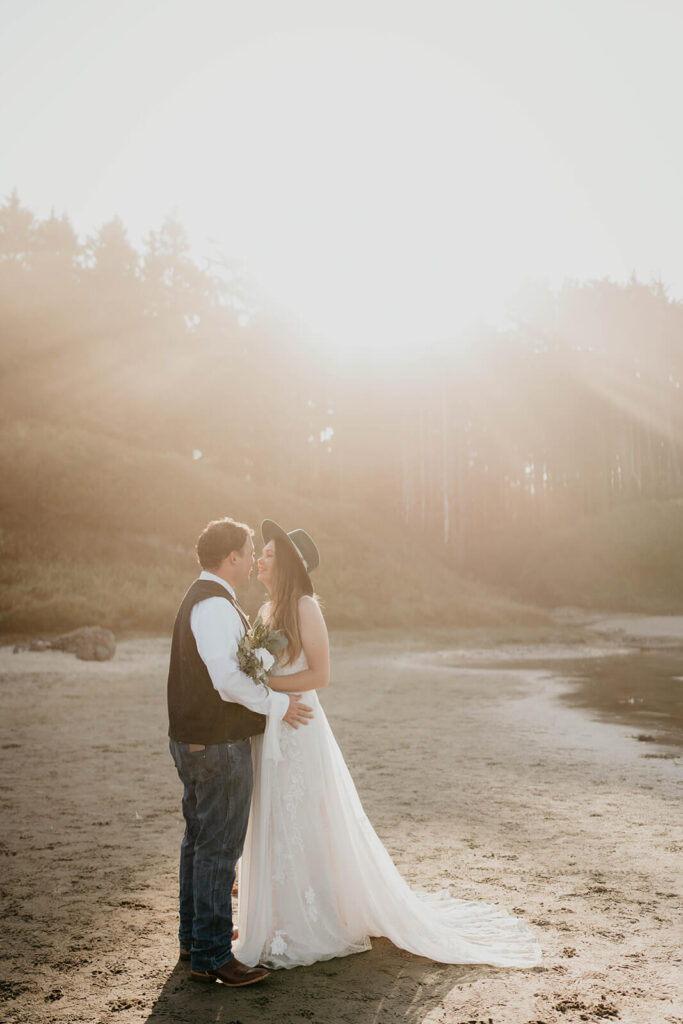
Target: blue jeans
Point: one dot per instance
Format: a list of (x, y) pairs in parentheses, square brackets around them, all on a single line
[(218, 782)]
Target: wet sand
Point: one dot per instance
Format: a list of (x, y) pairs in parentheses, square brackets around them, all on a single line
[(479, 772)]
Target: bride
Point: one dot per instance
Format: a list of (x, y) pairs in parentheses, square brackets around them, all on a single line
[(315, 880)]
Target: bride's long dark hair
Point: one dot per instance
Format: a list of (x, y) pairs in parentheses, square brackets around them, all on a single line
[(290, 582)]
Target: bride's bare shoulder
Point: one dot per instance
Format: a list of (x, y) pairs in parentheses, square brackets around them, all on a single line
[(310, 612), (263, 611)]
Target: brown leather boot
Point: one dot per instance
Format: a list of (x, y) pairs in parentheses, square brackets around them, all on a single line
[(233, 974)]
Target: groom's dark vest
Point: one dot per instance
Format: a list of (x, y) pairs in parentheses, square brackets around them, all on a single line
[(196, 712)]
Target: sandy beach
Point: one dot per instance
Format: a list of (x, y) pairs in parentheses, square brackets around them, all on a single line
[(481, 771)]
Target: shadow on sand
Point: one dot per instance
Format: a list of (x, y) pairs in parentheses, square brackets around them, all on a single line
[(383, 986)]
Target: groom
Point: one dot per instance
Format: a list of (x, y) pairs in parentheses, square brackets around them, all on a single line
[(213, 709)]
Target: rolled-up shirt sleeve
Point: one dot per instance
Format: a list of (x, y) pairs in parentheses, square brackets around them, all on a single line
[(217, 629)]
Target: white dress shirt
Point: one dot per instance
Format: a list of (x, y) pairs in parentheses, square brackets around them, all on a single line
[(218, 629)]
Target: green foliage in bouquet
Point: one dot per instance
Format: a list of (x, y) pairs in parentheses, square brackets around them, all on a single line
[(258, 649)]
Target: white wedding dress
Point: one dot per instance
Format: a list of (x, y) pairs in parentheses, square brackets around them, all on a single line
[(316, 882)]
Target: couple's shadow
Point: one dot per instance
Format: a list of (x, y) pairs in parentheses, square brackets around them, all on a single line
[(382, 986)]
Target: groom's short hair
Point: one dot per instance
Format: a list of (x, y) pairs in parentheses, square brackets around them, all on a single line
[(218, 539)]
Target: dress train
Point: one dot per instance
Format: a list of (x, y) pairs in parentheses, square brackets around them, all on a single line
[(316, 881)]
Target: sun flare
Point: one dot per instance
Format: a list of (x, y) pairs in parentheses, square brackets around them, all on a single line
[(386, 195), (386, 175)]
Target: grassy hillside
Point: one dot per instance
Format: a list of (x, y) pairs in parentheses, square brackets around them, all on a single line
[(629, 558), (95, 530)]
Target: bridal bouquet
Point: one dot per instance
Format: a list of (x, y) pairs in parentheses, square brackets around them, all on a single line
[(257, 650)]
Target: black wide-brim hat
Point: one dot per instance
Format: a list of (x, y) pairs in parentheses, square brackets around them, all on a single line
[(299, 540)]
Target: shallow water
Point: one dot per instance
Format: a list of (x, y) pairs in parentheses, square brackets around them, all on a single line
[(642, 689), (637, 682)]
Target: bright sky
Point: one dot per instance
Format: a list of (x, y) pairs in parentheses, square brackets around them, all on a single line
[(388, 169)]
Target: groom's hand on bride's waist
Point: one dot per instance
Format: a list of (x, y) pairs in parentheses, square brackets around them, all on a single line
[(297, 713)]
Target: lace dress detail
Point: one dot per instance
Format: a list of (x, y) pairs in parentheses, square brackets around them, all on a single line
[(316, 881)]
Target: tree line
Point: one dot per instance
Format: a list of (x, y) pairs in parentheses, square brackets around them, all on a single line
[(573, 409)]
